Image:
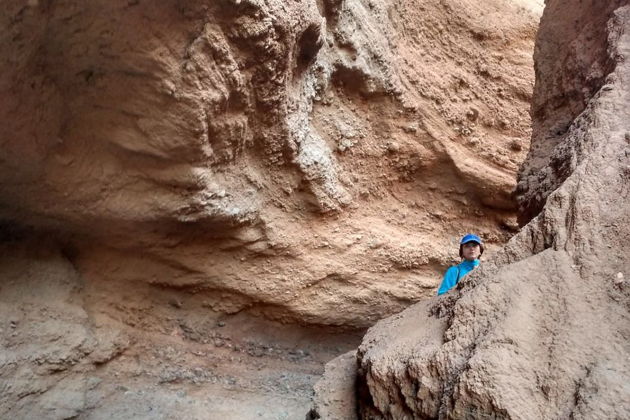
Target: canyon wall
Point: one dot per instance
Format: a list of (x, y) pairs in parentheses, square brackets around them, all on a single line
[(279, 159), (201, 203)]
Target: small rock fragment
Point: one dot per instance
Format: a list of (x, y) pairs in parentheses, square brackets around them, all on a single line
[(472, 114), (516, 145), (393, 147), (619, 278), (175, 303)]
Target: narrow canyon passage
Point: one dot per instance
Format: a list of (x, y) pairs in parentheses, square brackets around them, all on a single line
[(203, 204)]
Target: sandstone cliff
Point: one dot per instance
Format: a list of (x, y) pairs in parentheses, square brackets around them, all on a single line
[(288, 158)]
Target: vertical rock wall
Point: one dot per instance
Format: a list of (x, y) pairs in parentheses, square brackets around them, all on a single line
[(572, 62)]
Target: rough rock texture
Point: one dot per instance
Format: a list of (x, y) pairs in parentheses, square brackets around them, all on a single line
[(177, 178), (542, 330), (563, 90), (335, 396), (280, 158), (75, 348), (44, 332)]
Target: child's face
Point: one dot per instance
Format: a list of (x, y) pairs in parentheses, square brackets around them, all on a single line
[(471, 250)]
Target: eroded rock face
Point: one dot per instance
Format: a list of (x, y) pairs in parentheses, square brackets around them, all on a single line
[(563, 90), (45, 332), (76, 348), (280, 158), (196, 194), (335, 392), (541, 331)]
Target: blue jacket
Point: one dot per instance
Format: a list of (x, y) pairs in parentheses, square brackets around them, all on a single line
[(455, 274)]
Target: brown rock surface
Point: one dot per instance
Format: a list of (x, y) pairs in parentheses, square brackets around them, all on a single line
[(73, 347), (563, 90), (335, 391), (542, 330), (293, 157), (180, 180)]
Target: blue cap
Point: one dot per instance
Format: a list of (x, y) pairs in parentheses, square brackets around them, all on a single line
[(470, 238)]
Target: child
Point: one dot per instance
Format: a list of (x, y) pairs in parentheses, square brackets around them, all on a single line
[(470, 249)]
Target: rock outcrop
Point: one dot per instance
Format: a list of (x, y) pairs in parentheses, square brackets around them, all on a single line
[(541, 331)]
